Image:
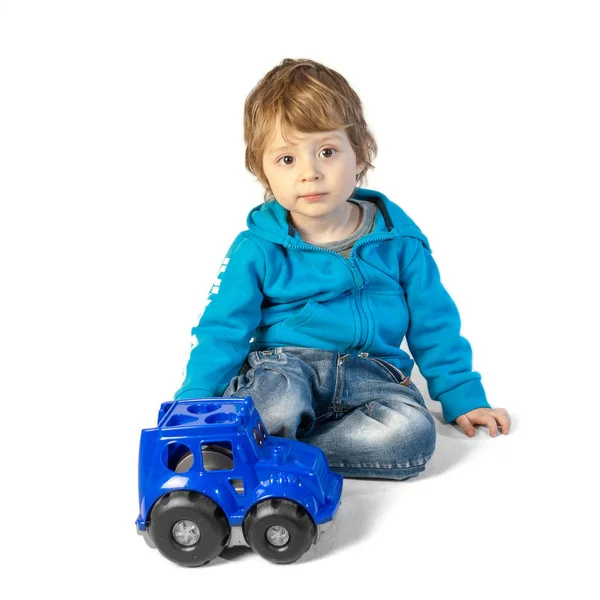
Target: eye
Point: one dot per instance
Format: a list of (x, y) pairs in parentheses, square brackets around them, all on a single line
[(330, 153), (333, 150)]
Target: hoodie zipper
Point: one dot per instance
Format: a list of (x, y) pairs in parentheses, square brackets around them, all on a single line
[(359, 281), (362, 313)]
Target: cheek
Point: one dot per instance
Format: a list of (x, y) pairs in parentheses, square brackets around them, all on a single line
[(272, 177), (276, 179), (349, 173)]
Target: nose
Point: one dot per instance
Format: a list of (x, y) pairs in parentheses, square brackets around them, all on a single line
[(309, 171)]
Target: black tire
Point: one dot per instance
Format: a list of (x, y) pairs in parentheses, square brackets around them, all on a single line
[(196, 513), (290, 519)]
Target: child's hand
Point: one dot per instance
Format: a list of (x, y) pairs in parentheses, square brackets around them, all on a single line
[(492, 417)]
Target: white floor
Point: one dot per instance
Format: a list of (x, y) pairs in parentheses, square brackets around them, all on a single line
[(507, 517), (494, 517)]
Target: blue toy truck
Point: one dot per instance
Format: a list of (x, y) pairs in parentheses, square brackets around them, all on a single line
[(211, 477)]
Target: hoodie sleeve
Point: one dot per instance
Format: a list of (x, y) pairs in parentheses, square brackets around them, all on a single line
[(221, 338), (444, 357)]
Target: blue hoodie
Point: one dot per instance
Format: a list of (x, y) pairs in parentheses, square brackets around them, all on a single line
[(276, 290)]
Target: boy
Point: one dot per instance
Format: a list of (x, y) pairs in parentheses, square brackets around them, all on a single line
[(313, 301)]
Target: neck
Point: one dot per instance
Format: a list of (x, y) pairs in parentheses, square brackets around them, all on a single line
[(328, 228)]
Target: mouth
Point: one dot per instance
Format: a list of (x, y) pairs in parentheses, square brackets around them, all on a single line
[(312, 197)]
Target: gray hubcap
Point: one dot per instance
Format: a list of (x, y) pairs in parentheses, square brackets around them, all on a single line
[(186, 533), (278, 535)]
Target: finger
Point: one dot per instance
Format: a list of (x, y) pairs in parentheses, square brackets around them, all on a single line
[(487, 419), (466, 425), (504, 419), (490, 421)]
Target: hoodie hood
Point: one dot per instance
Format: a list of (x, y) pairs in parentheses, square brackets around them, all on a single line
[(271, 222)]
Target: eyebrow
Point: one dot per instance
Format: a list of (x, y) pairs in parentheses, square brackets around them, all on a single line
[(329, 137)]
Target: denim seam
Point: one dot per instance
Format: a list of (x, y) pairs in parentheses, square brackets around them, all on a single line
[(337, 381), (339, 384), (342, 375), (376, 466)]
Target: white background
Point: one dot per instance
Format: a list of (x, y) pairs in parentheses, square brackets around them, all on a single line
[(122, 184)]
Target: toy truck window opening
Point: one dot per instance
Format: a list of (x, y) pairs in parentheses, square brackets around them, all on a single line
[(217, 456), (238, 486), (177, 457)]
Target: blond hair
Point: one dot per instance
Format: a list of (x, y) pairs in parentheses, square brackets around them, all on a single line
[(307, 96)]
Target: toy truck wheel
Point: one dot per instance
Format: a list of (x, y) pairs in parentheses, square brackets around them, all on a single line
[(279, 530), (188, 528)]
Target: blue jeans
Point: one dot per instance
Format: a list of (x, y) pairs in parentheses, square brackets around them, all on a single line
[(355, 409)]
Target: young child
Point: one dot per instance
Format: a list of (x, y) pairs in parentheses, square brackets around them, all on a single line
[(312, 302)]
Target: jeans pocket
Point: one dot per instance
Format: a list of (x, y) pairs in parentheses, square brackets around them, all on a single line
[(397, 375)]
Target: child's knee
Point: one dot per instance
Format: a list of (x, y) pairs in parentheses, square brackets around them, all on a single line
[(289, 421), (409, 438), (283, 402)]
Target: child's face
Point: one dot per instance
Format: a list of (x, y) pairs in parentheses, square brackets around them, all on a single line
[(316, 163)]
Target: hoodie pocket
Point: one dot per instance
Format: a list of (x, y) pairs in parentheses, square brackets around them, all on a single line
[(305, 314), (390, 313)]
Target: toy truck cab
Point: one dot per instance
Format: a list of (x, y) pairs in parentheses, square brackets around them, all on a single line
[(210, 477)]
